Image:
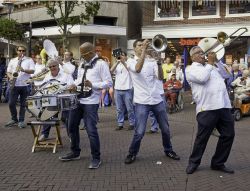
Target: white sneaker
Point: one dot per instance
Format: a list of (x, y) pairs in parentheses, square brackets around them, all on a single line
[(21, 125)]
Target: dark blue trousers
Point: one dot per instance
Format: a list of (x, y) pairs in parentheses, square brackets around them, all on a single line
[(22, 93), (223, 121)]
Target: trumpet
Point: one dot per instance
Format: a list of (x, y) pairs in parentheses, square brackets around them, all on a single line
[(39, 76), (159, 43), (223, 40)]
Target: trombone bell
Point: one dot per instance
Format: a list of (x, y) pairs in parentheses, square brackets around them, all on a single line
[(222, 37)]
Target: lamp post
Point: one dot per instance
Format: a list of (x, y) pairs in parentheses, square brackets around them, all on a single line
[(10, 7)]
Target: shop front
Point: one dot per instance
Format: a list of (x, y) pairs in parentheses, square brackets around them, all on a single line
[(182, 38)]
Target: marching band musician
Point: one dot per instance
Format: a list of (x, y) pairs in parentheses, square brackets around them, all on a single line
[(24, 66), (98, 77), (212, 108), (57, 74), (147, 97)]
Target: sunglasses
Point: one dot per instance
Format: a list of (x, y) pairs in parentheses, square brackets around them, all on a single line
[(21, 50), (52, 66)]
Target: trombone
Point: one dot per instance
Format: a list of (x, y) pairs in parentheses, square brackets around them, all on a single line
[(223, 40)]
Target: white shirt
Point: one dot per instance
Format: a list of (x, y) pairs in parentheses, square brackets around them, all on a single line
[(100, 78), (38, 69), (68, 68), (208, 86), (62, 77), (146, 87), (26, 64), (123, 80)]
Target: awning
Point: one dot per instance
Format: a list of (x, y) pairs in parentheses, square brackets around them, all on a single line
[(192, 31), (82, 29)]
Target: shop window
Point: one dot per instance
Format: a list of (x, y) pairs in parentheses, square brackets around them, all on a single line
[(200, 9), (237, 8), (169, 10)]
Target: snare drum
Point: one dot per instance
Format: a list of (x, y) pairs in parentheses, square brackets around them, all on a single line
[(34, 105), (67, 101)]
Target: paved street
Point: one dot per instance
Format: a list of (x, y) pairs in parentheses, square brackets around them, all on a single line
[(20, 169)]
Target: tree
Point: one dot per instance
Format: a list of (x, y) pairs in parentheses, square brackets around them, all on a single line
[(11, 30), (61, 12)]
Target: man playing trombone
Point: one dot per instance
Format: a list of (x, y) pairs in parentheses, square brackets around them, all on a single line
[(212, 108), (18, 71)]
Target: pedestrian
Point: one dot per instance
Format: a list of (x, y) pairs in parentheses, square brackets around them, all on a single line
[(22, 66), (144, 73), (123, 91), (212, 109), (95, 75)]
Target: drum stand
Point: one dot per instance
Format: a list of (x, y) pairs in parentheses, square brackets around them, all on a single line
[(48, 143)]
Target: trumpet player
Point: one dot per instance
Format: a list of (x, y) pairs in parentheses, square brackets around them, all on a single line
[(18, 71)]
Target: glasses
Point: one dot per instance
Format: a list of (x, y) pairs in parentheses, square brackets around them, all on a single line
[(52, 66), (38, 58), (199, 52), (21, 50)]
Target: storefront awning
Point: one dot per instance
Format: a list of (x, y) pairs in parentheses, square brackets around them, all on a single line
[(82, 29), (192, 31)]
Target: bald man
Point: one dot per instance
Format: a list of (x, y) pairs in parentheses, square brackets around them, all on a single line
[(98, 77)]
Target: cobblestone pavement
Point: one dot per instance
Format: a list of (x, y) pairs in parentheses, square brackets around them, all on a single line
[(20, 169)]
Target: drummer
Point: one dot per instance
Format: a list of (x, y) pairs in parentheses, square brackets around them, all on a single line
[(62, 77)]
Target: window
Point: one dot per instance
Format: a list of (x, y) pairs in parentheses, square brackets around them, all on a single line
[(236, 8), (110, 21), (168, 10), (200, 9)]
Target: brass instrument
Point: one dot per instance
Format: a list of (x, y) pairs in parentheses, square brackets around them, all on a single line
[(16, 73), (159, 43), (217, 45), (39, 76)]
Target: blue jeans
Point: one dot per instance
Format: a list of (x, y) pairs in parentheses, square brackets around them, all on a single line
[(154, 124), (21, 91), (64, 119), (124, 98), (89, 114), (142, 112)]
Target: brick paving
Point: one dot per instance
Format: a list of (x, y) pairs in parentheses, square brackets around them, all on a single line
[(20, 169)]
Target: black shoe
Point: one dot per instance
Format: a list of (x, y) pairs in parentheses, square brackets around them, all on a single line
[(119, 128), (131, 127), (223, 169), (172, 155), (69, 157), (191, 168), (130, 159)]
